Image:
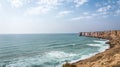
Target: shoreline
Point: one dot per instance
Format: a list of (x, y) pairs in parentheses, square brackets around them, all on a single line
[(99, 51), (110, 57)]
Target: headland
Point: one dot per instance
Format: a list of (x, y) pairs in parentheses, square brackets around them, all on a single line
[(109, 58)]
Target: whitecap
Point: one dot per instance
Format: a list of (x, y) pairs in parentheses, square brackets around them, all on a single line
[(87, 56), (94, 45), (104, 47), (60, 54), (101, 42), (51, 57)]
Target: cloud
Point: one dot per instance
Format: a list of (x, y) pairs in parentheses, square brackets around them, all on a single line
[(86, 15), (0, 5), (49, 2), (16, 3), (104, 10), (63, 13), (109, 8), (43, 7), (38, 10), (80, 2), (82, 17)]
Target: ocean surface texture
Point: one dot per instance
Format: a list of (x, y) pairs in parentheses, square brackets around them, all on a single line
[(46, 50)]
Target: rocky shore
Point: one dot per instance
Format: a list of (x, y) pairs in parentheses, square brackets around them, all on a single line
[(108, 58)]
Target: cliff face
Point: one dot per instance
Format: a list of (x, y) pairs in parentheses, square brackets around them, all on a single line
[(109, 58), (103, 34)]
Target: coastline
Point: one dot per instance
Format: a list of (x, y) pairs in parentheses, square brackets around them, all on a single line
[(102, 49), (108, 58)]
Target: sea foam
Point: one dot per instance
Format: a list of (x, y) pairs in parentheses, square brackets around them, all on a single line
[(60, 54), (55, 57), (102, 47)]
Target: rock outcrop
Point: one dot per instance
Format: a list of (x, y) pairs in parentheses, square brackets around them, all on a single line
[(108, 58)]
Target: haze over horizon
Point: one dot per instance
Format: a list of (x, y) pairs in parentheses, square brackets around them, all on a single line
[(58, 16)]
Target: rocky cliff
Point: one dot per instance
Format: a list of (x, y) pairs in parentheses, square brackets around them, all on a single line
[(103, 34), (109, 58)]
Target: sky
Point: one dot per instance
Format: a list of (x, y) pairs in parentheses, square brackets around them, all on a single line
[(58, 16)]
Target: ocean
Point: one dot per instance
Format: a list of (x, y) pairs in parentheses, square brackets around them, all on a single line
[(47, 50)]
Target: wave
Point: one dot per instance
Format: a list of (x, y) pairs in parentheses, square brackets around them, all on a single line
[(53, 58), (102, 45), (57, 58), (65, 45), (60, 54), (84, 57), (94, 45), (58, 44), (49, 58), (102, 42)]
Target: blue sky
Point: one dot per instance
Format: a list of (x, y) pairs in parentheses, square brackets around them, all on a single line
[(58, 16)]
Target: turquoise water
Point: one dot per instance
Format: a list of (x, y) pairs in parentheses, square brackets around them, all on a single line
[(46, 50)]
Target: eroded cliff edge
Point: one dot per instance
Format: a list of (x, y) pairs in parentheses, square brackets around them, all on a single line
[(108, 58)]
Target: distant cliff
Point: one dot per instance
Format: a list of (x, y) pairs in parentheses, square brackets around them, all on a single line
[(102, 34)]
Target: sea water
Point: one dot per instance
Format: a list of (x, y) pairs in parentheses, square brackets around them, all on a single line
[(47, 50)]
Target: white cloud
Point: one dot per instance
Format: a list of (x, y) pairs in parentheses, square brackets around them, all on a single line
[(0, 5), (63, 13), (49, 2), (82, 17), (38, 10), (16, 3), (44, 6), (80, 2), (104, 10), (86, 16)]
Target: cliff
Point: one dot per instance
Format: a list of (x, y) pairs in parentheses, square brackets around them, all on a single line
[(109, 58), (104, 34)]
